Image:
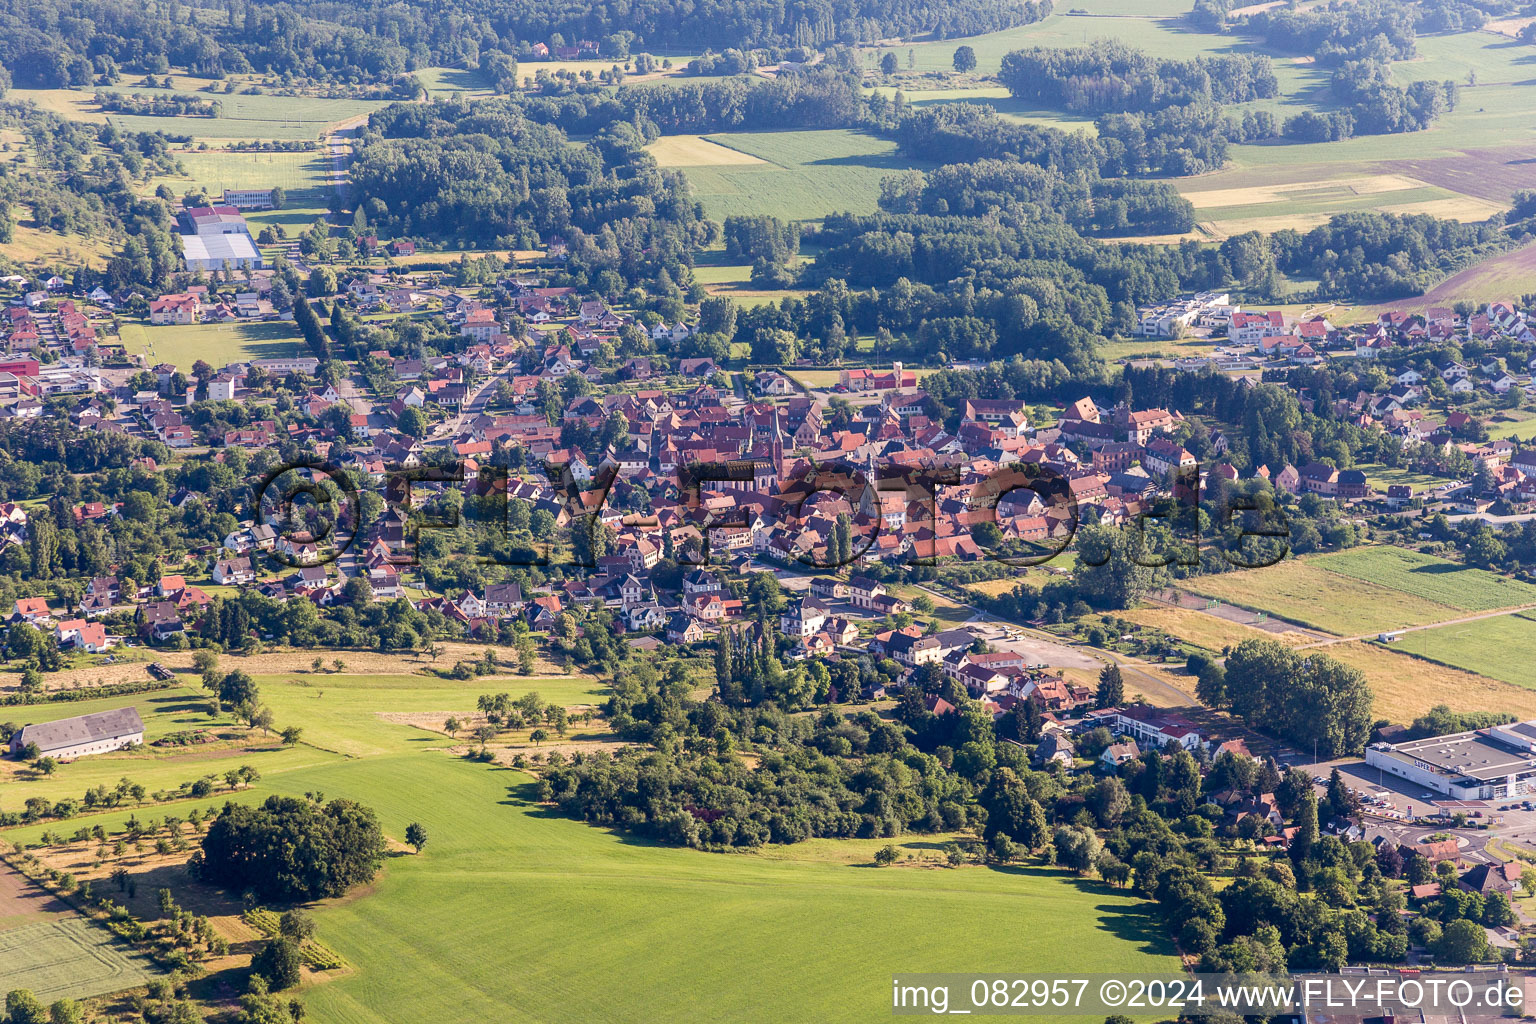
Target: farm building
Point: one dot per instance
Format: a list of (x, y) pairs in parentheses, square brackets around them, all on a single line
[(87, 734)]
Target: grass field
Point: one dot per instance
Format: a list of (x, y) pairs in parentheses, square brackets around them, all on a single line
[(217, 344), (1303, 592), (489, 919), (244, 116), (1381, 477), (1498, 647), (68, 958), (218, 169), (1434, 579), (1209, 631), (802, 176)]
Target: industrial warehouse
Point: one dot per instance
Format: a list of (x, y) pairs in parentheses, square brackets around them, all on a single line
[(1483, 764)]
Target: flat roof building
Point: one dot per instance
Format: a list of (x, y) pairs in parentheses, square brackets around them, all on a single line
[(1481, 764), (215, 252)]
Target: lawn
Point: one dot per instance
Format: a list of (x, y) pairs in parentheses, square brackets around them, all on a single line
[(1302, 591), (1431, 578), (1381, 477), (517, 913), (1499, 647), (802, 175), (217, 344)]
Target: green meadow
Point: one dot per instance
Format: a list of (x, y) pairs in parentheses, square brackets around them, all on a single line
[(1436, 579), (1499, 647), (513, 912), (804, 175)]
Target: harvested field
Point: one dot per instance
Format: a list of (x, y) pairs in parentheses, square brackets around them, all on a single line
[(1462, 208), (697, 151), (1492, 174), (1505, 276), (1280, 193), (1209, 631), (22, 903)]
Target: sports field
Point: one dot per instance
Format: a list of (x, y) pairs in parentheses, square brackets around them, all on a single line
[(801, 176), (601, 924), (216, 344)]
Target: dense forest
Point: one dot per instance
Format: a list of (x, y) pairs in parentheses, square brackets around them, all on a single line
[(1111, 76), (56, 43)]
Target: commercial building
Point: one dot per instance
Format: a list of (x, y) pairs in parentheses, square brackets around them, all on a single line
[(1498, 763), (216, 252), (248, 198)]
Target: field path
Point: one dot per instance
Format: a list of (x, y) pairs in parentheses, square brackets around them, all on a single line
[(1428, 625)]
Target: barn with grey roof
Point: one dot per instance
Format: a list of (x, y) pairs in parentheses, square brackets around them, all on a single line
[(96, 733)]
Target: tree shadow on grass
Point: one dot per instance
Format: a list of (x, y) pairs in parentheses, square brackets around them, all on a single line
[(1135, 923)]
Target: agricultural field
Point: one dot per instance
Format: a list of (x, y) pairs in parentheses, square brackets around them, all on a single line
[(803, 175), (1211, 632), (1223, 207), (698, 151), (1302, 591), (217, 344), (244, 116), (1430, 578), (68, 957), (1498, 647), (1405, 687), (996, 97), (1506, 276), (777, 935)]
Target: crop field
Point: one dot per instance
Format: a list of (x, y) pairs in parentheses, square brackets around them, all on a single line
[(1302, 591), (776, 935), (69, 958), (217, 344), (698, 151), (244, 116), (1431, 578), (1405, 687), (803, 176), (1269, 206), (1498, 647), (1506, 276)]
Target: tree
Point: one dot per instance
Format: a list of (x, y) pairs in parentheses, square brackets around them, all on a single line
[(293, 849), (416, 835), (1306, 829), (538, 736), (965, 59), (1463, 942), (1111, 691), (1077, 847), (278, 962), (22, 1007), (413, 422), (888, 64), (291, 735), (296, 925), (65, 1011), (886, 856)]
